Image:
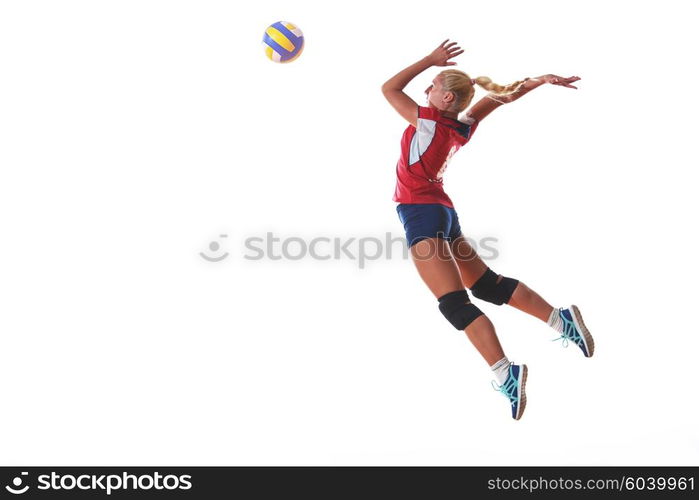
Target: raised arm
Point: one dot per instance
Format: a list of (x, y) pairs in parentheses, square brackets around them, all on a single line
[(393, 88), (492, 101)]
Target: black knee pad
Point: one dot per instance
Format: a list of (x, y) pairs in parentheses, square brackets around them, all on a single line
[(487, 288), (456, 307)]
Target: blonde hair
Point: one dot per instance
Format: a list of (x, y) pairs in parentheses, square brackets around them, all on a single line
[(459, 83)]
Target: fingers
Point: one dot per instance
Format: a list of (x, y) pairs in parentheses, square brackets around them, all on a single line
[(562, 78), (567, 82), (444, 52), (449, 45)]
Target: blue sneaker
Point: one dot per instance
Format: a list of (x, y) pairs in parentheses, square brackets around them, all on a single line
[(574, 330), (513, 389)]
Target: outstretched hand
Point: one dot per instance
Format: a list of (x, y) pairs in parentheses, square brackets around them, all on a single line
[(559, 80), (441, 55)]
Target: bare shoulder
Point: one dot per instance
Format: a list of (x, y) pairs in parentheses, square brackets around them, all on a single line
[(467, 119)]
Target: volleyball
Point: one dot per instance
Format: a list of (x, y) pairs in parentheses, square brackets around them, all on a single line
[(283, 42)]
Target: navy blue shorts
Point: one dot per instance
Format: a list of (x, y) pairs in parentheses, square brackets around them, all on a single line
[(428, 220)]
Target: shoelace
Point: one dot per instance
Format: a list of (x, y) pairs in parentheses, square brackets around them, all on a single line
[(508, 388), (569, 332)]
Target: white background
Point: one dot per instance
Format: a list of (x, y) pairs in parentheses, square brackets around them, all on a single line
[(134, 133)]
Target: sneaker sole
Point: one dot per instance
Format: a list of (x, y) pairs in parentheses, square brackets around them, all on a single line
[(587, 338), (522, 394)]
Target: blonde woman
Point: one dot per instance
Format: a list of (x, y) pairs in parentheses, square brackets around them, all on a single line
[(444, 259)]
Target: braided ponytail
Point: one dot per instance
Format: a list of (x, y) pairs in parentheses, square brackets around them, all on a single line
[(492, 87), (462, 86)]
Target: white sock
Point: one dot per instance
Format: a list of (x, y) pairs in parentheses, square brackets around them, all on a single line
[(501, 370), (555, 320)]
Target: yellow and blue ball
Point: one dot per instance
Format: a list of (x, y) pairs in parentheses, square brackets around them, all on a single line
[(283, 42)]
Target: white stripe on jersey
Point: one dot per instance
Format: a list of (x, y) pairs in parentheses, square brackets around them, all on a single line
[(422, 139)]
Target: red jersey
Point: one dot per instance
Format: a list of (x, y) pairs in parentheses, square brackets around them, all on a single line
[(425, 152)]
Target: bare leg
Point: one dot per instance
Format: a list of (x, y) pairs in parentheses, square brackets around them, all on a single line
[(482, 335), (439, 271), (472, 267), (527, 300)]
